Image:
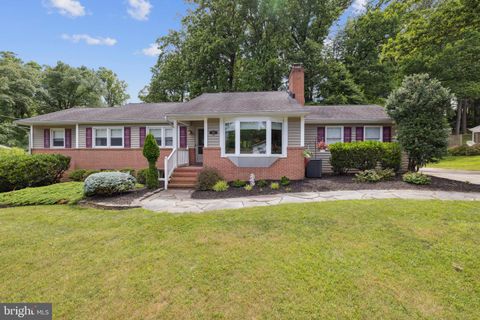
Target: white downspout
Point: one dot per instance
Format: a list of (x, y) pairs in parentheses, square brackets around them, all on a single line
[(205, 132), (76, 136), (30, 141), (302, 131)]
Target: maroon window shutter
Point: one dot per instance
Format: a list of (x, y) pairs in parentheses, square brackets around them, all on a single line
[(347, 134), (126, 137), (46, 138), (88, 135), (387, 134), (68, 138), (143, 133), (183, 137), (359, 133), (320, 134)]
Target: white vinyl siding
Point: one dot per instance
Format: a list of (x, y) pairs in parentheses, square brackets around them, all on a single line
[(38, 135)]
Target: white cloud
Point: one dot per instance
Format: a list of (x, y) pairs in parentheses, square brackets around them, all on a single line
[(359, 5), (139, 9), (71, 8), (92, 41), (152, 50)]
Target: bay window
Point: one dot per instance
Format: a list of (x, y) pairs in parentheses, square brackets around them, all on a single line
[(58, 138), (253, 137), (333, 134), (163, 136), (108, 137), (373, 133)]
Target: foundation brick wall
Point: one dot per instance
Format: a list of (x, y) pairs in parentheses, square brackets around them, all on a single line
[(107, 158), (293, 166)]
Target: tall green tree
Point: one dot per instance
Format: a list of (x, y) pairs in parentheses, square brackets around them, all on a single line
[(64, 87), (114, 89), (420, 107)]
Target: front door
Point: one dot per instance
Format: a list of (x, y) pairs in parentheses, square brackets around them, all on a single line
[(200, 143)]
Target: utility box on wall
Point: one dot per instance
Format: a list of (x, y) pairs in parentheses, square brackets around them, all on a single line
[(314, 169)]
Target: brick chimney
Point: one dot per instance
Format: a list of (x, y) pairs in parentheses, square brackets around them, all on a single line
[(296, 86)]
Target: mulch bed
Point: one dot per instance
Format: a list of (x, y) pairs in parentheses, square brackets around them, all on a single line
[(335, 183)]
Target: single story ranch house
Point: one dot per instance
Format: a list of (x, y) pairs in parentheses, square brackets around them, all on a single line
[(239, 133)]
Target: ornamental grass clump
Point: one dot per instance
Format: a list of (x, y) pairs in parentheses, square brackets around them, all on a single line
[(151, 152), (108, 183), (220, 186)]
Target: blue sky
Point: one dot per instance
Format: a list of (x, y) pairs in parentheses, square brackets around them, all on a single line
[(116, 34)]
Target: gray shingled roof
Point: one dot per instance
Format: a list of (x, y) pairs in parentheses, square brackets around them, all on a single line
[(130, 113), (240, 103), (347, 114)]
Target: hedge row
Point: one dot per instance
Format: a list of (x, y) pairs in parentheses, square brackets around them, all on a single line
[(22, 171), (365, 155), (465, 150)]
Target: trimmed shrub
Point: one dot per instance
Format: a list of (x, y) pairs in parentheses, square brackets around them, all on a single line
[(151, 152), (12, 152), (238, 183), (262, 183), (465, 150), (274, 186), (108, 183), (284, 181), (21, 171), (142, 176), (221, 186), (364, 155), (207, 178), (130, 171), (416, 178), (77, 175)]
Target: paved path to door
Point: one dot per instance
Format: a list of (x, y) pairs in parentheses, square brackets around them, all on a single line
[(459, 175), (179, 201)]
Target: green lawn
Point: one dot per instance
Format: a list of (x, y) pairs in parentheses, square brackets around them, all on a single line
[(381, 259), (458, 163), (68, 192)]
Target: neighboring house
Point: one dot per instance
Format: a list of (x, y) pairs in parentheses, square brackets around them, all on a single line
[(239, 133)]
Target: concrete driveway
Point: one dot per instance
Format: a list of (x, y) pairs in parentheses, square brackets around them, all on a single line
[(459, 175)]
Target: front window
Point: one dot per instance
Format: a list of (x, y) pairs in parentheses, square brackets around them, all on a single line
[(58, 138), (373, 134), (163, 136), (101, 137), (333, 135), (230, 137), (253, 137), (116, 137), (277, 137)]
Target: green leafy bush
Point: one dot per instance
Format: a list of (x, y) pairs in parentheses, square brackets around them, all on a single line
[(375, 175), (284, 181), (274, 186), (364, 155), (465, 150), (12, 152), (207, 178), (22, 171), (77, 175), (262, 183), (238, 183), (220, 186), (416, 178), (151, 152), (248, 187), (108, 183), (142, 176)]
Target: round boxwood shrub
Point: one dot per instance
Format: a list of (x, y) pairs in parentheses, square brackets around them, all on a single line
[(108, 183), (207, 178)]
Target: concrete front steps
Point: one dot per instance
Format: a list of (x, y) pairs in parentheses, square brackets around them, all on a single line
[(184, 177)]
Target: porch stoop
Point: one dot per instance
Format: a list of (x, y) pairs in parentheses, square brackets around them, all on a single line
[(184, 177)]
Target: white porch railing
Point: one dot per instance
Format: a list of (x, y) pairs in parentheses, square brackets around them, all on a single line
[(175, 158)]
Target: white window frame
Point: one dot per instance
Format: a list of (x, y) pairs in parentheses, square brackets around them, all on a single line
[(163, 135), (268, 121), (51, 138), (365, 133), (109, 129), (342, 137)]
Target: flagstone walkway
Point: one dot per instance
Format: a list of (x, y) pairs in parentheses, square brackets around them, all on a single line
[(179, 201)]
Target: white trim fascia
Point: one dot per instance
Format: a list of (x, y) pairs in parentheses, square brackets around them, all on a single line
[(30, 140), (76, 136), (205, 132), (285, 137), (222, 137), (51, 138)]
